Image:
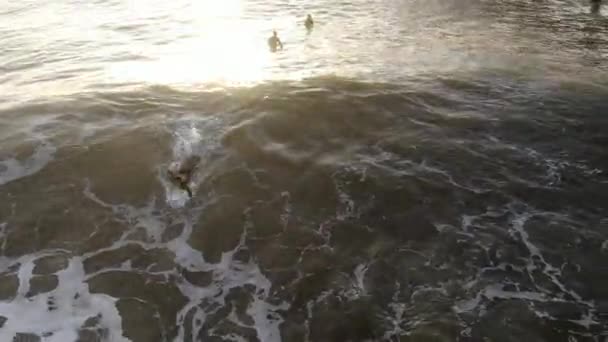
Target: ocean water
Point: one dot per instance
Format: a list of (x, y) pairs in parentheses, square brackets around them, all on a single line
[(407, 171)]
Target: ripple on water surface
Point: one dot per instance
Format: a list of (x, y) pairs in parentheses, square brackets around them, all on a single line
[(447, 182)]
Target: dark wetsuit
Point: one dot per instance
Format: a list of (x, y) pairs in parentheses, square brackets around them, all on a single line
[(274, 42), (595, 6), (309, 23), (181, 173)]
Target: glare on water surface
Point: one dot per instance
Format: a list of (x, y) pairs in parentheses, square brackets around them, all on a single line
[(76, 45), (211, 43)]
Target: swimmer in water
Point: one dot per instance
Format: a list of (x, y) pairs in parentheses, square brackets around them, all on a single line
[(274, 42), (181, 173), (595, 6), (309, 23)]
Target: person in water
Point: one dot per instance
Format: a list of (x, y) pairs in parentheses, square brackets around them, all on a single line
[(274, 42), (181, 173), (595, 6), (309, 23)]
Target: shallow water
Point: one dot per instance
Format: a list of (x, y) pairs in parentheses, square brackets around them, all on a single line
[(408, 171)]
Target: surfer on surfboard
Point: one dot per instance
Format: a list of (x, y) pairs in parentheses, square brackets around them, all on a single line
[(181, 173)]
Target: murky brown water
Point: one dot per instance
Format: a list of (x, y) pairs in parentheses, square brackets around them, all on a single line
[(408, 171)]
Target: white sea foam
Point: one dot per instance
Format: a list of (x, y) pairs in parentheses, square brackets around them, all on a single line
[(57, 316), (228, 273), (359, 273), (536, 262), (395, 315), (12, 169)]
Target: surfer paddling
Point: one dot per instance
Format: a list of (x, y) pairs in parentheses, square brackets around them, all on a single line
[(181, 172)]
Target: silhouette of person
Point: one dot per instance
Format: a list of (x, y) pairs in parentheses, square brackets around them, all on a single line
[(595, 6), (274, 42), (309, 23)]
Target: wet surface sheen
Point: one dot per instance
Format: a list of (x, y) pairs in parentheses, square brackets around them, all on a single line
[(408, 171)]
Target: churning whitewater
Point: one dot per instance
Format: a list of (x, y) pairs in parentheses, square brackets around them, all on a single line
[(404, 171)]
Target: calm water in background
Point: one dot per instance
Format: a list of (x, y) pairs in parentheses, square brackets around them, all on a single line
[(408, 171)]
